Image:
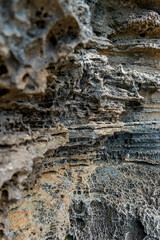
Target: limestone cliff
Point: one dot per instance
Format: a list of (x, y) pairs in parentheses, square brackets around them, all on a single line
[(80, 119)]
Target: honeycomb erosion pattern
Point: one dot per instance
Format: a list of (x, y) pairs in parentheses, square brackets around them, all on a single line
[(80, 119)]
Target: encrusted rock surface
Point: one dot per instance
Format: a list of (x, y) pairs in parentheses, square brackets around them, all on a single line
[(80, 119)]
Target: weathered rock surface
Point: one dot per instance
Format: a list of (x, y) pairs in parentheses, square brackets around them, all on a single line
[(80, 120)]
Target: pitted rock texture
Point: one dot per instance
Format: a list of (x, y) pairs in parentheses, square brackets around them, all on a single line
[(80, 120), (35, 34)]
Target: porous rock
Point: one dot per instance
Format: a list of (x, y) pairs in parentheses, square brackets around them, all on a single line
[(80, 120)]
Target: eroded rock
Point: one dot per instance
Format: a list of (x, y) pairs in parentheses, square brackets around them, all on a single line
[(80, 120)]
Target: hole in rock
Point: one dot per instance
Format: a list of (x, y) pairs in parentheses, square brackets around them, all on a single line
[(45, 15), (40, 24), (69, 237), (137, 230), (68, 31), (4, 195), (15, 175), (80, 222), (78, 207), (3, 92), (140, 231), (3, 70), (52, 40), (142, 34), (115, 136), (38, 13), (135, 105), (98, 34), (26, 77)]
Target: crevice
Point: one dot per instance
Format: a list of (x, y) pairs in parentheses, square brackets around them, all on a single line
[(143, 163)]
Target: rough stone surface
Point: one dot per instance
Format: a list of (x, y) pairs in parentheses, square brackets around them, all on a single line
[(80, 119)]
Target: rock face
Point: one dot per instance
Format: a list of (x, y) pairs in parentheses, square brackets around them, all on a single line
[(80, 119)]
